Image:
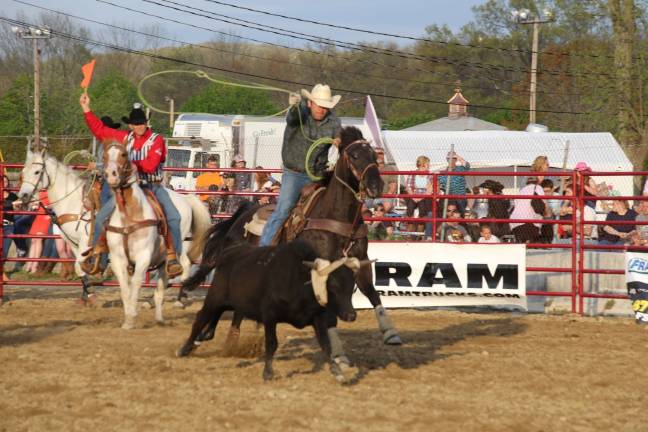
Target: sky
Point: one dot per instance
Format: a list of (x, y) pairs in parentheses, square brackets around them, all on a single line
[(404, 17)]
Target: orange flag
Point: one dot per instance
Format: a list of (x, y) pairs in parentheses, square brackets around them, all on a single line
[(87, 70)]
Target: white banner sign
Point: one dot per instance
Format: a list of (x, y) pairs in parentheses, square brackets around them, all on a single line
[(442, 274), (636, 270)]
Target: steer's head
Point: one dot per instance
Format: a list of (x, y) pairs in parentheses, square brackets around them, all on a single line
[(333, 284)]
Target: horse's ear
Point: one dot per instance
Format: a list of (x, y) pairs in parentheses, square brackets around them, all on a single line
[(44, 144)]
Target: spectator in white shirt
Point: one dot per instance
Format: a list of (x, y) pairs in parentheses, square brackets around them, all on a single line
[(486, 236)]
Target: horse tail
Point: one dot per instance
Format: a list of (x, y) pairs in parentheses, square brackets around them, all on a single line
[(200, 225), (212, 245)]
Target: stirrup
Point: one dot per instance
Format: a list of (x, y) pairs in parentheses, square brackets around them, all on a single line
[(173, 267), (92, 264)]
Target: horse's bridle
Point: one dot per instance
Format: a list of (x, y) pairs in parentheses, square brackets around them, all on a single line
[(124, 170), (38, 182), (359, 195)]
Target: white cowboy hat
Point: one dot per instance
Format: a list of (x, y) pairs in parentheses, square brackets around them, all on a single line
[(321, 95)]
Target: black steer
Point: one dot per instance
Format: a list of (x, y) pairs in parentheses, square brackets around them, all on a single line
[(279, 284)]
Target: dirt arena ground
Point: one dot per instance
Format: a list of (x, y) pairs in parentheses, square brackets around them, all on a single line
[(66, 368)]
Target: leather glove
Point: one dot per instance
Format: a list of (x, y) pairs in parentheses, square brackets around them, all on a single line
[(294, 99)]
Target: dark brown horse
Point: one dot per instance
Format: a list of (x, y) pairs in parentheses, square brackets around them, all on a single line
[(334, 229)]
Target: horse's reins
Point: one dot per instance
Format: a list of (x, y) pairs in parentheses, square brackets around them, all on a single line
[(359, 195), (324, 224), (125, 171)]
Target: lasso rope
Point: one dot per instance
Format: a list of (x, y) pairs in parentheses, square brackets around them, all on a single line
[(201, 74)]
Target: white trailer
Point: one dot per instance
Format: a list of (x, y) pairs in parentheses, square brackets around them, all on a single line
[(258, 139)]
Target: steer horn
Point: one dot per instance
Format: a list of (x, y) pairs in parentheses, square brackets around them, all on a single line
[(355, 264), (321, 268), (318, 278)]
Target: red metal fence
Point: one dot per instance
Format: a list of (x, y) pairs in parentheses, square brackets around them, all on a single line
[(577, 245)]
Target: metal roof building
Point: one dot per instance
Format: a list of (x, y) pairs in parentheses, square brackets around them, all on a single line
[(511, 151), (457, 119)]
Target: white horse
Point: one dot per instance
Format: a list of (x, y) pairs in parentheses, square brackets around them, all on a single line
[(133, 237), (65, 191)]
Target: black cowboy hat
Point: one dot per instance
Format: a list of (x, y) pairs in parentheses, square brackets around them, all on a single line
[(137, 116), (108, 121)]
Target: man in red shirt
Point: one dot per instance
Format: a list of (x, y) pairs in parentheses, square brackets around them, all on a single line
[(147, 151)]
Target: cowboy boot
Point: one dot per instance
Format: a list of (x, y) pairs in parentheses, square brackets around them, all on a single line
[(173, 266), (95, 262)]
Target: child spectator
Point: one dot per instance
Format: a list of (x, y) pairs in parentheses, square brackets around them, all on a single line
[(486, 236), (419, 184)]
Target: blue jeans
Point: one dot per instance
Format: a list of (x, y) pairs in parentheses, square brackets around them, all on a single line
[(49, 245), (22, 224), (6, 242), (105, 194), (292, 183), (171, 213)]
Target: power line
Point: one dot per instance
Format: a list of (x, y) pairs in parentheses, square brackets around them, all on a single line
[(397, 68), (354, 46), (413, 38), (439, 84), (481, 76), (166, 58)]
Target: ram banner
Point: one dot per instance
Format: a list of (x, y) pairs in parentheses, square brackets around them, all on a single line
[(441, 274)]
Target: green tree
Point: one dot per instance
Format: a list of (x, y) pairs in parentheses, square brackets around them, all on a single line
[(16, 108), (221, 99), (112, 95)]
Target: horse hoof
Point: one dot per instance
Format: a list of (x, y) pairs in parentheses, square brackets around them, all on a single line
[(391, 337), (146, 304), (178, 304), (268, 375), (185, 350), (81, 302), (160, 322), (129, 323), (342, 370)]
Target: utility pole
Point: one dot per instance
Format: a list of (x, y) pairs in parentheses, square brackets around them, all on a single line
[(35, 33), (524, 17), (171, 111)]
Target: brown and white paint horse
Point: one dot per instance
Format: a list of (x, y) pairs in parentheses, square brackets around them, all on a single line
[(133, 237)]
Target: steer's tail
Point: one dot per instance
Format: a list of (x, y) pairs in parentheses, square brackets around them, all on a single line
[(216, 240)]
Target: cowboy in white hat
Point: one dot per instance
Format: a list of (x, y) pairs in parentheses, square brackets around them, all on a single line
[(309, 118)]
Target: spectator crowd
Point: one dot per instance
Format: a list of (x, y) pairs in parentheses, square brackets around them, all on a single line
[(529, 217), (405, 197)]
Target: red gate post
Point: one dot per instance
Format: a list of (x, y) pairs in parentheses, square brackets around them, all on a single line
[(435, 184), (574, 244), (581, 247), (3, 173)]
